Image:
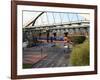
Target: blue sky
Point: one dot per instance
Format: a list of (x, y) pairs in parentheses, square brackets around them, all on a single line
[(52, 17)]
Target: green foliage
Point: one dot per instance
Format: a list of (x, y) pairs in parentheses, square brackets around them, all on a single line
[(27, 65), (77, 39), (80, 54)]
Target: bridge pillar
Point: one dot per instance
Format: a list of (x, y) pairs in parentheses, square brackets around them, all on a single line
[(66, 34), (74, 32), (40, 35), (55, 34), (47, 36)]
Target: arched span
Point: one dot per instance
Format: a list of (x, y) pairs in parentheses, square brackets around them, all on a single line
[(33, 21)]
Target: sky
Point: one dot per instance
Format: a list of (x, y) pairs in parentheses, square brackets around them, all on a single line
[(52, 17)]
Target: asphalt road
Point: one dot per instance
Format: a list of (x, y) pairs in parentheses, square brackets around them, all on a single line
[(56, 57)]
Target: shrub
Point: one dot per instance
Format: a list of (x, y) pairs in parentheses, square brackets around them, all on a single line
[(77, 39), (27, 66), (80, 54)]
